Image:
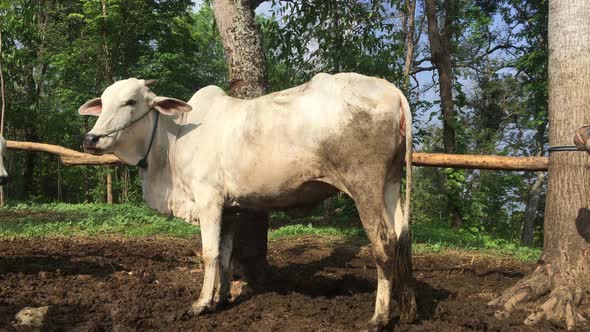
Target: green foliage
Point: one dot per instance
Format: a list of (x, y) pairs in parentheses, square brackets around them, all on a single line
[(89, 220), (333, 36), (58, 54), (427, 237), (60, 219)]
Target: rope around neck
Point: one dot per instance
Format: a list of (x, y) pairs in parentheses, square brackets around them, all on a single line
[(143, 162), (127, 125)]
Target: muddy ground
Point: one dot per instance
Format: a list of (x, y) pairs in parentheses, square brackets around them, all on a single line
[(114, 284)]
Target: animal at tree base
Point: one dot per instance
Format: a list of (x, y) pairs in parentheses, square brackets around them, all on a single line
[(289, 149), (582, 138)]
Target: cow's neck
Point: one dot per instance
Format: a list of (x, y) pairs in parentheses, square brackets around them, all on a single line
[(156, 180)]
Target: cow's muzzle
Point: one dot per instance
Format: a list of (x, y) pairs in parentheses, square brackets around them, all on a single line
[(89, 144), (4, 179)]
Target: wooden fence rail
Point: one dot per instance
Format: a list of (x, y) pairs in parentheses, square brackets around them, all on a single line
[(71, 157)]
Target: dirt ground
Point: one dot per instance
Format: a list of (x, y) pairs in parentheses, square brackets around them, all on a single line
[(115, 284)]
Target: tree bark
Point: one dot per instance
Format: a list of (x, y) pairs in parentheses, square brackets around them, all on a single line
[(564, 268), (242, 41)]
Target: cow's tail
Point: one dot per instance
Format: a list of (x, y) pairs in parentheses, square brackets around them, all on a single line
[(408, 118), (404, 290)]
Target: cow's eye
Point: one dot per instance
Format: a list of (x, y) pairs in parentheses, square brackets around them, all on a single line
[(130, 102)]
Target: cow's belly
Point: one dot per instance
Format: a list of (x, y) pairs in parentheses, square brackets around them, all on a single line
[(307, 194)]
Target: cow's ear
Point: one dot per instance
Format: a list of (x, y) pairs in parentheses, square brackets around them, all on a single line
[(91, 107), (170, 106)]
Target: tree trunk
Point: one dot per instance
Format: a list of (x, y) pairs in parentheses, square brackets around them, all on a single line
[(2, 95), (110, 80), (109, 187), (441, 58), (409, 26), (125, 191), (59, 194), (242, 41), (29, 166), (564, 268), (528, 224), (440, 50)]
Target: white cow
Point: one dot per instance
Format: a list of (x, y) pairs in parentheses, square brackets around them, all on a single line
[(4, 178), (292, 148)]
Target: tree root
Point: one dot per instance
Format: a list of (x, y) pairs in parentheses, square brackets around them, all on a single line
[(561, 304)]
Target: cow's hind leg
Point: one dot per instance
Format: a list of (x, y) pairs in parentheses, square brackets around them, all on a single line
[(383, 241)]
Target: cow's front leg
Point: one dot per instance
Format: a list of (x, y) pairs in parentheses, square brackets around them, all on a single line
[(210, 221)]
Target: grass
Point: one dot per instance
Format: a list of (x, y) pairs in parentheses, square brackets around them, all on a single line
[(426, 238), (89, 220), (130, 220)]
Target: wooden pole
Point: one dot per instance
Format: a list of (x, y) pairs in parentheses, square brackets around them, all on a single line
[(504, 163), (71, 157), (67, 156)]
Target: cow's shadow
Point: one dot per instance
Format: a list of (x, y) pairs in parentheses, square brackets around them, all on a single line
[(339, 274)]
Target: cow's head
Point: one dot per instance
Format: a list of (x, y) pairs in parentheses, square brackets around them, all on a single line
[(582, 138), (126, 114), (4, 178)]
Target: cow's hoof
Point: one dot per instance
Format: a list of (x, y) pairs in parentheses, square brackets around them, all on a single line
[(199, 308), (373, 326)]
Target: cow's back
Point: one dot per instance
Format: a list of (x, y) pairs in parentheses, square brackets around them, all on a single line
[(276, 143)]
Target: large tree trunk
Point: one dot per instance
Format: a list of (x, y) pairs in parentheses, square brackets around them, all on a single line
[(440, 50), (242, 42), (564, 269)]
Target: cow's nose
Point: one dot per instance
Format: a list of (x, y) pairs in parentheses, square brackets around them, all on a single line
[(4, 179), (90, 140)]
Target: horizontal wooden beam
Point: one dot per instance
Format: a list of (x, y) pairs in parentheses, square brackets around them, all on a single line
[(71, 157), (67, 156), (504, 163)]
